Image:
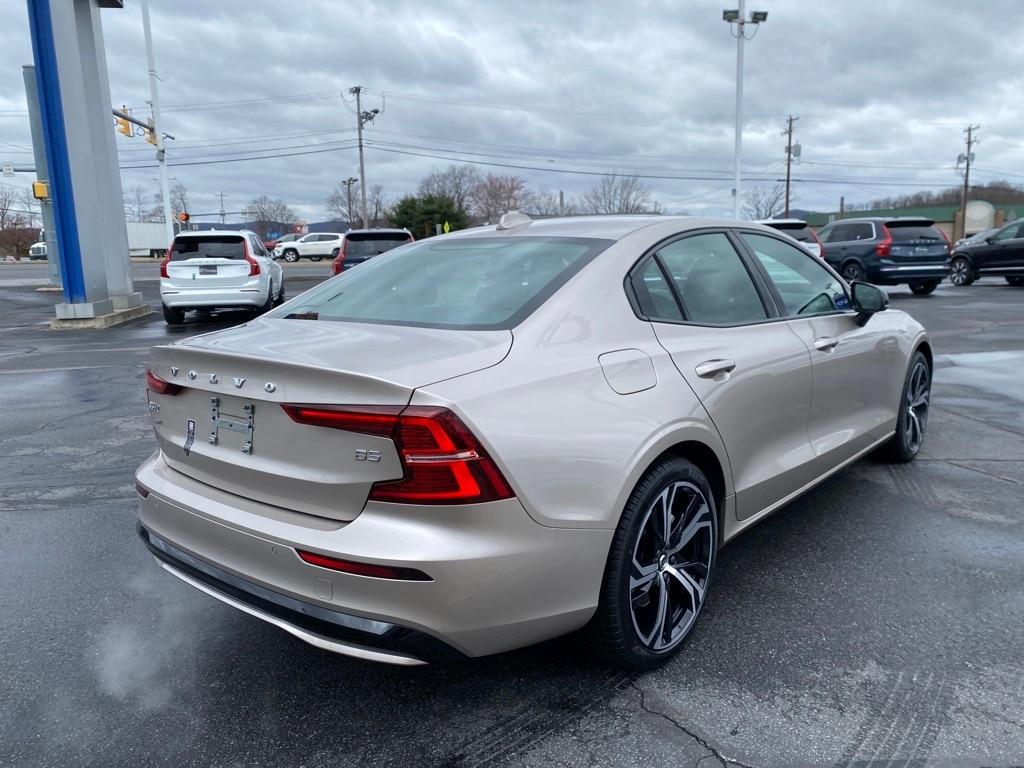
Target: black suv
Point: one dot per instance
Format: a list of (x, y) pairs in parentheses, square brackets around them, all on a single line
[(888, 251), (1000, 253)]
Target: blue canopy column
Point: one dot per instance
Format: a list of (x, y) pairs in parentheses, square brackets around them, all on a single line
[(85, 182)]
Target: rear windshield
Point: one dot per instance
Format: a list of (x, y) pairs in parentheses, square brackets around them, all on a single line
[(904, 232), (800, 232), (487, 283), (374, 243), (209, 247)]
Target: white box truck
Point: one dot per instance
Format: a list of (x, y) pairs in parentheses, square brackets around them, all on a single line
[(145, 238)]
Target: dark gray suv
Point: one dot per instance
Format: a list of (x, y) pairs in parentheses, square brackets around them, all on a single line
[(888, 251)]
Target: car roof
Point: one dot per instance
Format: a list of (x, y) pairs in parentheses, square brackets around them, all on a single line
[(611, 227), (204, 232), (773, 222), (909, 220), (381, 230)]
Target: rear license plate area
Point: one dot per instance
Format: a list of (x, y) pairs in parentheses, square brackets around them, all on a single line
[(207, 270)]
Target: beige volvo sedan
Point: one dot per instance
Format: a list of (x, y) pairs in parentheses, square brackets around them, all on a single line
[(479, 441)]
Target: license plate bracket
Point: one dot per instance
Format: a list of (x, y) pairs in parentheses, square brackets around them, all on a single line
[(243, 426)]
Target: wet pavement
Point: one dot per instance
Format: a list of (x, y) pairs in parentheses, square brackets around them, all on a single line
[(879, 618)]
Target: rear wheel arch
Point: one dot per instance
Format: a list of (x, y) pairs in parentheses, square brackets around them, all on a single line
[(925, 348)]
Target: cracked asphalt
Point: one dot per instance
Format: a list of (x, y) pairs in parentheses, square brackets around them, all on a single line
[(878, 620)]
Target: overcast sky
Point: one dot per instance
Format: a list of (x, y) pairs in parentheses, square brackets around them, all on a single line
[(883, 90)]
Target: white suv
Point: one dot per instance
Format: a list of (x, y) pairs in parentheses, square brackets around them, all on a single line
[(314, 246), (218, 269)]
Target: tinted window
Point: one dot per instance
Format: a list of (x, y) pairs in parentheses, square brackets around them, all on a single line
[(904, 232), (806, 287), (861, 232), (838, 233), (800, 232), (208, 247), (374, 243), (654, 294), (712, 281), (479, 283), (1008, 233)]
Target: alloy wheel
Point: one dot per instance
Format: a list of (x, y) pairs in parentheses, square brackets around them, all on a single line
[(671, 565), (918, 393), (853, 272), (960, 272)]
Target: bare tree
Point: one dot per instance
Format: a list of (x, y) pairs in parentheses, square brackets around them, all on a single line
[(16, 230), (495, 195), (267, 215), (378, 206), (137, 204), (179, 202), (764, 202), (553, 204), (9, 207), (342, 203), (30, 208), (456, 182), (619, 194)]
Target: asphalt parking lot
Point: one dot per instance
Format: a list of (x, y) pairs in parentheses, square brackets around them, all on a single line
[(878, 620)]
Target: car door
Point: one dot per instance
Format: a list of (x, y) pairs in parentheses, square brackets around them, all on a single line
[(1006, 250), (751, 373), (836, 238), (857, 369)]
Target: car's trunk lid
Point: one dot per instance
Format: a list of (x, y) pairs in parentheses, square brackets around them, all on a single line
[(235, 381), (917, 242)]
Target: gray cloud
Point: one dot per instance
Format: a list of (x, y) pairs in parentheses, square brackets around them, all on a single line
[(644, 87)]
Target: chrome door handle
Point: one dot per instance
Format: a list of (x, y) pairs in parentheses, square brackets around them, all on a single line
[(711, 368), (826, 344)]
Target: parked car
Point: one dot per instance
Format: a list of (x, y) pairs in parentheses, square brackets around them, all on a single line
[(799, 230), (270, 245), (314, 246), (888, 251), (385, 474), (359, 245), (218, 270), (999, 253), (37, 251)]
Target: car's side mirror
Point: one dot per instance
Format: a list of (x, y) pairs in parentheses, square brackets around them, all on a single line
[(867, 299)]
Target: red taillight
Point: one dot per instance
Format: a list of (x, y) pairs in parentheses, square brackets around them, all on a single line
[(444, 463), (363, 569), (339, 260), (157, 385), (254, 266), (166, 261), (884, 248), (949, 243)]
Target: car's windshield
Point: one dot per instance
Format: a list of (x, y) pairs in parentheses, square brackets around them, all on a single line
[(208, 247), (472, 283)]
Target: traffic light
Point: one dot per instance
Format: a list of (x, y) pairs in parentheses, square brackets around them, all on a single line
[(123, 126), (40, 190), (183, 217), (150, 134)]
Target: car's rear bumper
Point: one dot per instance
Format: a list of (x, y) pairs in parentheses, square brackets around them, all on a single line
[(252, 294), (498, 580), (894, 274)]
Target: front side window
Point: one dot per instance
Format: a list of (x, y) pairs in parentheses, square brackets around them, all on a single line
[(1008, 233), (712, 281), (806, 287), (483, 283)]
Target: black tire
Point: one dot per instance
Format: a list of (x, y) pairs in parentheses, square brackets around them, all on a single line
[(291, 255), (912, 421), (852, 271), (1015, 281), (315, 258), (924, 288), (280, 299), (960, 271), (627, 604), (173, 316)]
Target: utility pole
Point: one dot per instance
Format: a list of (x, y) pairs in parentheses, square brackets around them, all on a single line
[(348, 196), (842, 207), (221, 195), (158, 135), (362, 118), (965, 160), (561, 202), (788, 133)]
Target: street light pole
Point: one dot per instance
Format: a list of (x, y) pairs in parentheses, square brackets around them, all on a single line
[(158, 135), (739, 18)]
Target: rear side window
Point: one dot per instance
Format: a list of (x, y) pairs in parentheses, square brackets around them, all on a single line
[(208, 247), (654, 294), (904, 232), (374, 244), (485, 283), (712, 281), (800, 232), (861, 232)]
